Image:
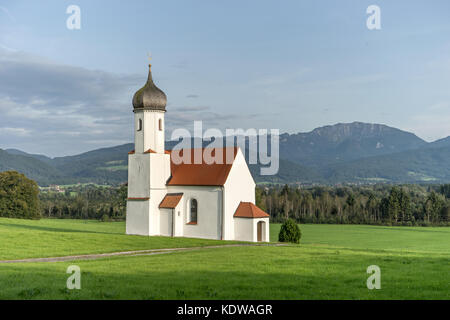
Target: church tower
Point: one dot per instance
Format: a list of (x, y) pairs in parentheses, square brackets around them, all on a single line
[(148, 163)]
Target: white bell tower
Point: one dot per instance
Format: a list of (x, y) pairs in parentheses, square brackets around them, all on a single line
[(148, 163)]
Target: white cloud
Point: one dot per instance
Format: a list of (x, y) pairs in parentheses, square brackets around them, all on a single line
[(8, 131)]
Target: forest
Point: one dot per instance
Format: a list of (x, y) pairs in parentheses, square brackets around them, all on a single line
[(382, 204), (85, 202), (379, 204)]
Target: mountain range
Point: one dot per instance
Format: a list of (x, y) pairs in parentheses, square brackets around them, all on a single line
[(341, 153)]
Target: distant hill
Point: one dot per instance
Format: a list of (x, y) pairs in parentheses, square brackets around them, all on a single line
[(440, 143), (35, 156), (33, 168), (102, 166), (423, 165), (343, 153), (345, 141)]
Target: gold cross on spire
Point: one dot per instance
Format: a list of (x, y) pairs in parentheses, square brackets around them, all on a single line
[(149, 55)]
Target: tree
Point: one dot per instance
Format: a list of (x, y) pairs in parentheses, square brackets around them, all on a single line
[(259, 197), (445, 190), (433, 206), (18, 196), (290, 232)]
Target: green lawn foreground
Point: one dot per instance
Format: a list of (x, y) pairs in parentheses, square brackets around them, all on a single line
[(63, 237), (330, 263)]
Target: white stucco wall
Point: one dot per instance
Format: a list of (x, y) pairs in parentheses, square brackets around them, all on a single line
[(159, 170), (209, 200), (266, 232), (150, 137), (137, 219), (243, 228), (239, 186), (139, 175), (246, 229), (166, 222), (147, 176), (179, 215)]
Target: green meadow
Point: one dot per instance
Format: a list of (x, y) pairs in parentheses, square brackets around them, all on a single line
[(330, 263)]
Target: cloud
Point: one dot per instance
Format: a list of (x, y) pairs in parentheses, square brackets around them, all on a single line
[(185, 119), (21, 132), (195, 108), (58, 110)]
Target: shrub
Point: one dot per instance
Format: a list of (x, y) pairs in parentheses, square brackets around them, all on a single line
[(290, 232), (18, 196)]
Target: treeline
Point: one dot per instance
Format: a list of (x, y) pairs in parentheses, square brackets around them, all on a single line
[(85, 202), (408, 205)]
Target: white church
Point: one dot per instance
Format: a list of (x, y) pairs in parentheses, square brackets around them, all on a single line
[(196, 200)]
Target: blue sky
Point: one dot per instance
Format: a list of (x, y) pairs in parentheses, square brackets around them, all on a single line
[(289, 65)]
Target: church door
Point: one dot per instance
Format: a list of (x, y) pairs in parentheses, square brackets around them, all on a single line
[(260, 227)]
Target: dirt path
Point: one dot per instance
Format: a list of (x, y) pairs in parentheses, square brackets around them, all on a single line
[(131, 253)]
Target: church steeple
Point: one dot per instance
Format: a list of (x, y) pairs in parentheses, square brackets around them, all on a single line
[(149, 97), (149, 106)]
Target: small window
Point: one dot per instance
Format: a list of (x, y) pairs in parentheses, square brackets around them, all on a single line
[(193, 212), (139, 128), (160, 124)]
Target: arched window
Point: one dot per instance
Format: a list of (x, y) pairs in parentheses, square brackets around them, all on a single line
[(139, 128), (160, 124), (193, 212)]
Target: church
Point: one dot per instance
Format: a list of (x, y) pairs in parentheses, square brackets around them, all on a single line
[(192, 199)]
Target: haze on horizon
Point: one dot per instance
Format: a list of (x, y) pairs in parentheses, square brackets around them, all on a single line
[(255, 64)]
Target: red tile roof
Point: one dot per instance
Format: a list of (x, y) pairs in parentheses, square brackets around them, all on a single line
[(249, 210), (202, 174), (171, 200)]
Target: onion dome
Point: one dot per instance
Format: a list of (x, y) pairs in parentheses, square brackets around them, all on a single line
[(149, 97)]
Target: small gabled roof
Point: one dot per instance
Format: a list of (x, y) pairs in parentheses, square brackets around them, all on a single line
[(249, 210), (201, 174), (171, 200)]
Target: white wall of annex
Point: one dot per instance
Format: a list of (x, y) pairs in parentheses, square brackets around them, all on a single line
[(239, 186), (243, 228), (209, 212), (166, 222)]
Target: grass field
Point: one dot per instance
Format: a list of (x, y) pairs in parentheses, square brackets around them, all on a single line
[(330, 263)]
